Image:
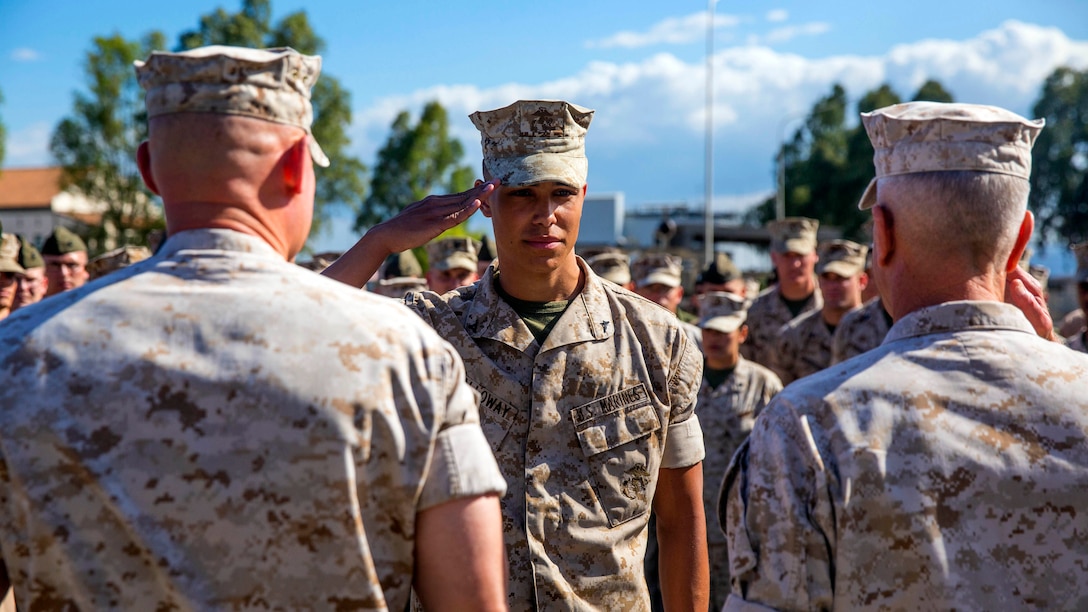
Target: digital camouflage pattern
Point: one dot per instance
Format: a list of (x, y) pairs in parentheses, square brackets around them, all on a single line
[(112, 261), (452, 253), (9, 254), (944, 470), (940, 137), (860, 330), (843, 257), (268, 84), (804, 347), (533, 141), (197, 449), (580, 426), (793, 235), (766, 317), (726, 415)]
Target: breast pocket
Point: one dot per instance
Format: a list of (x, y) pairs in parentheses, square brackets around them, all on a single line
[(615, 433)]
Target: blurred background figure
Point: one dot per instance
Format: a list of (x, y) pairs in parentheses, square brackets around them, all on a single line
[(451, 263), (111, 261), (9, 270), (65, 256), (400, 274), (613, 266), (31, 284), (719, 274), (485, 255)]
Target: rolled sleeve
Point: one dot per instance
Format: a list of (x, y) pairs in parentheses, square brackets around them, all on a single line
[(683, 444), (463, 466)]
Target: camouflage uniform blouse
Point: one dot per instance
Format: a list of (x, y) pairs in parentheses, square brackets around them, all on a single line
[(945, 469), (726, 415), (216, 428), (859, 331), (580, 426), (804, 347), (766, 317)]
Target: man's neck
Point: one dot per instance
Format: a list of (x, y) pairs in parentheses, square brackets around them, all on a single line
[(797, 291), (723, 364), (832, 316), (556, 285)]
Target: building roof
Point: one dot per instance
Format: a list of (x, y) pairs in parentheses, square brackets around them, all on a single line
[(29, 187)]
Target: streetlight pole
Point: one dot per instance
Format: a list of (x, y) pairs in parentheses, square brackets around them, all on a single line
[(708, 208)]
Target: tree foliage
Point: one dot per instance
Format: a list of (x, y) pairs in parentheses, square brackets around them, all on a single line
[(343, 182), (1059, 187), (415, 161), (828, 161), (96, 145)]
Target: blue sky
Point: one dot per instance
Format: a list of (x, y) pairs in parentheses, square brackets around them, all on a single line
[(640, 64)]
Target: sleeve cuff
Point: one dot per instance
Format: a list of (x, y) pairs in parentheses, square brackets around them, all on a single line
[(463, 466)]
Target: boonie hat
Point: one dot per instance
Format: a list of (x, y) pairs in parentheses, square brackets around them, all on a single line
[(534, 141), (269, 84), (453, 253), (63, 241), (935, 137), (793, 235), (723, 311), (657, 269), (843, 257)]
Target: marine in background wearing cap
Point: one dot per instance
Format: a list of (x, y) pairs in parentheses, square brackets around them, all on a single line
[(205, 451), (613, 266), (862, 329), (946, 468), (804, 344), (720, 274), (31, 284), (117, 259), (65, 256), (1078, 339), (9, 271), (587, 391), (399, 273), (733, 392), (658, 277), (451, 263), (793, 254)]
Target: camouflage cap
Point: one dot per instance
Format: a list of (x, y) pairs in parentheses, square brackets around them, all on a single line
[(793, 235), (719, 270), (401, 265), (114, 260), (63, 241), (657, 269), (842, 257), (723, 312), (934, 137), (1081, 253), (269, 84), (533, 141), (453, 253), (399, 286), (9, 254), (1040, 273), (611, 266), (29, 256)]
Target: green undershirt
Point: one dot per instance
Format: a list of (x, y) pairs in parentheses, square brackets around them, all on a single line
[(795, 306), (539, 317), (714, 378)]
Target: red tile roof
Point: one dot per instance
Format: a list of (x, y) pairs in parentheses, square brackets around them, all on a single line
[(29, 187)]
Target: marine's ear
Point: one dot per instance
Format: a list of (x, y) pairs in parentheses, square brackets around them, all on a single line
[(143, 163)]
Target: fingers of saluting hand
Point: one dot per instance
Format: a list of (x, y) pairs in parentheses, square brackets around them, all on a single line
[(1024, 292)]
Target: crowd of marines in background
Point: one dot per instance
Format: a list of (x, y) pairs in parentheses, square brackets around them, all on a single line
[(602, 390)]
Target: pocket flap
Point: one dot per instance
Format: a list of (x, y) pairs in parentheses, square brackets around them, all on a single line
[(614, 420)]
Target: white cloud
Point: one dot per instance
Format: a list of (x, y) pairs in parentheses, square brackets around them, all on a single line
[(672, 31), (778, 15), (25, 54), (783, 34), (29, 146), (647, 136)]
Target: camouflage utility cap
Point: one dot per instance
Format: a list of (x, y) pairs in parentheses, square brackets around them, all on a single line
[(793, 235), (29, 256), (455, 253), (719, 271), (1081, 253), (843, 257), (611, 266), (114, 260), (657, 269), (63, 241), (9, 254), (269, 84), (938, 137), (724, 312), (534, 141), (401, 265)]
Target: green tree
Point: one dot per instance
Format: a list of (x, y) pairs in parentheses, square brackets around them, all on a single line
[(932, 91), (828, 161), (1059, 189), (415, 161), (343, 182), (96, 145)]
